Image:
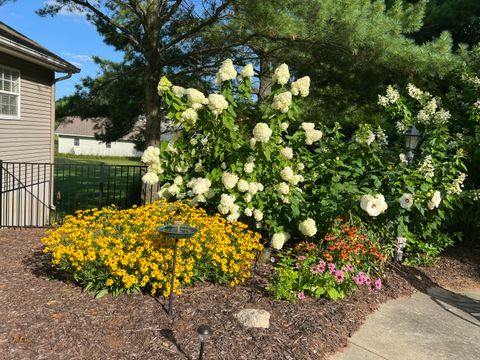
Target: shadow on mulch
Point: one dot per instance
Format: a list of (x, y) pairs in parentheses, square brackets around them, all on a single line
[(39, 264)]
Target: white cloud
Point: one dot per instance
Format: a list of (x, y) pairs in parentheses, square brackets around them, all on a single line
[(77, 57)]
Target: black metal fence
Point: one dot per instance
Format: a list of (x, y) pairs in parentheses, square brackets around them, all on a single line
[(40, 194)]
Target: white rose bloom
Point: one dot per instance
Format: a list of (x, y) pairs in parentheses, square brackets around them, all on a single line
[(287, 173), (406, 201), (190, 116), (258, 215), (247, 71), (178, 91), (150, 178), (286, 153), (434, 202), (242, 185), (229, 180), (262, 133), (283, 188), (301, 86), (248, 167), (253, 188), (174, 189), (284, 126), (226, 72), (178, 180), (253, 142), (282, 102), (248, 212), (196, 98), (217, 103), (281, 75), (278, 240), (312, 136), (301, 166), (151, 155), (308, 227), (307, 126)]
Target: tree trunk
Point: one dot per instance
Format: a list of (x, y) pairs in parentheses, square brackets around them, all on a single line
[(152, 107), (265, 77)]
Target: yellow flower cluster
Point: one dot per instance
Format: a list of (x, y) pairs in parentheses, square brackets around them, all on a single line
[(122, 251)]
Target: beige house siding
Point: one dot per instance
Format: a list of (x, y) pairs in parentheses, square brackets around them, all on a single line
[(29, 138)]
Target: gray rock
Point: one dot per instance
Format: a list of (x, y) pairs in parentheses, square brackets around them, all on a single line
[(254, 318)]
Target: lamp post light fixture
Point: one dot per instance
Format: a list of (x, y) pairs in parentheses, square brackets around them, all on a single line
[(412, 138), (177, 231), (204, 332)]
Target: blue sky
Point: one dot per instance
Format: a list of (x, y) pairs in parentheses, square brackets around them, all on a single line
[(67, 35)]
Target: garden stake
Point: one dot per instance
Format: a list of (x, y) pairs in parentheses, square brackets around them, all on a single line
[(204, 331), (170, 300)]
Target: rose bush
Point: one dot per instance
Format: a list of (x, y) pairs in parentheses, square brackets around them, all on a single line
[(258, 161)]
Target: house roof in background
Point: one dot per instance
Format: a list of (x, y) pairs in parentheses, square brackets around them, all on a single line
[(75, 125), (11, 41)]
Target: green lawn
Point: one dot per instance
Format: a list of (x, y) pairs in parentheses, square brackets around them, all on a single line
[(77, 182)]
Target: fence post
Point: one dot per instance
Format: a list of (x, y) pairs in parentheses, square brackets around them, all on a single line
[(100, 192), (1, 193)]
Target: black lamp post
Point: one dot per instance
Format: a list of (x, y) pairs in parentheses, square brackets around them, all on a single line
[(204, 332), (412, 138)]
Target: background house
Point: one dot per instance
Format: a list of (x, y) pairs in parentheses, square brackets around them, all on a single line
[(77, 136), (27, 124)]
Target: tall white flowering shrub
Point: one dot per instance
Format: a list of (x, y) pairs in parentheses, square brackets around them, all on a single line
[(262, 164)]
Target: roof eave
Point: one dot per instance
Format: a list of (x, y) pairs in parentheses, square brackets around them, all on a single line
[(36, 57)]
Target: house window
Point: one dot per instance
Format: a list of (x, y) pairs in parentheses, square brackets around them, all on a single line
[(9, 92), (108, 145), (76, 142)]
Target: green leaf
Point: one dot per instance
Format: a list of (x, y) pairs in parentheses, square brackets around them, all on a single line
[(101, 293)]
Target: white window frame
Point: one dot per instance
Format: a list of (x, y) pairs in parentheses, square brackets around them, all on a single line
[(18, 116)]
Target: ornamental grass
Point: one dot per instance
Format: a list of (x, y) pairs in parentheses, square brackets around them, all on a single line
[(120, 251)]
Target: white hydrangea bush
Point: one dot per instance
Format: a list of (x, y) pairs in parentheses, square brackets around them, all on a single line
[(288, 178)]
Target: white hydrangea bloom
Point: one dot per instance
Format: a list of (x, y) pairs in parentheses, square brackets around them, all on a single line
[(434, 202), (403, 159), (242, 185), (258, 214), (260, 186), (156, 168), (392, 97), (283, 188), (262, 133), (278, 240), (381, 136), (226, 72), (247, 197), (373, 205), (307, 126), (284, 126), (300, 166), (312, 136), (151, 155), (282, 102), (178, 180), (163, 85), (253, 143), (248, 212), (229, 180), (178, 91), (295, 179), (406, 201), (227, 204), (301, 87), (199, 186), (253, 188), (308, 227), (247, 71), (190, 116), (150, 178), (414, 92), (426, 168), (174, 189), (442, 116), (196, 98), (248, 167), (287, 173), (281, 74), (457, 184), (233, 217), (286, 153), (217, 103)]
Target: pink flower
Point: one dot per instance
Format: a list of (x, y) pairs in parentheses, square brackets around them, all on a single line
[(331, 266), (297, 266), (322, 263), (301, 295), (358, 279), (367, 281), (339, 276), (301, 258), (378, 284), (349, 268)]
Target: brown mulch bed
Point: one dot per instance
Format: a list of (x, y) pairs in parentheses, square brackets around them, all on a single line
[(44, 316)]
